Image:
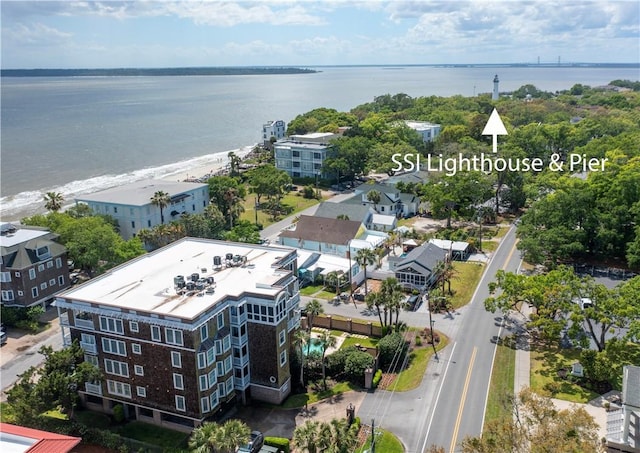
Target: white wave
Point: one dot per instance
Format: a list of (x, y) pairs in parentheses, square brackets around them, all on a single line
[(14, 207)]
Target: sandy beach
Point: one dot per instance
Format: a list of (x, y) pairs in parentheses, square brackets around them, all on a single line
[(207, 168)]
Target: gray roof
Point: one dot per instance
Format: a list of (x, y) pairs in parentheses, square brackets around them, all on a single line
[(418, 177), (424, 259), (21, 254), (324, 230), (353, 211), (139, 193)]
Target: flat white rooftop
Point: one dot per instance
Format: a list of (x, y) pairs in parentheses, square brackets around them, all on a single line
[(20, 235), (139, 193), (146, 284)]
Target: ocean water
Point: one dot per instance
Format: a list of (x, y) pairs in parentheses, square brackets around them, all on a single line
[(78, 135)]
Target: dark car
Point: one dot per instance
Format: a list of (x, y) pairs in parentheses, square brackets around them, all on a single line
[(254, 445)]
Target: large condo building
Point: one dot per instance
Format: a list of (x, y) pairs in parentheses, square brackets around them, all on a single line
[(181, 332), (273, 130), (303, 155), (130, 205)]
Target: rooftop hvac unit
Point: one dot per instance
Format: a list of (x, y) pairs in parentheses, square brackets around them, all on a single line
[(217, 261), (195, 276), (229, 256), (178, 281)]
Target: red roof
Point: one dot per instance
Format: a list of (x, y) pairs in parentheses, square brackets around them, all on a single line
[(43, 441)]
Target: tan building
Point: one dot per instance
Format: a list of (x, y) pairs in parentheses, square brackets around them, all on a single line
[(182, 332)]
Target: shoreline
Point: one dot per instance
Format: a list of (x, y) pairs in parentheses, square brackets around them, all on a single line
[(195, 170)]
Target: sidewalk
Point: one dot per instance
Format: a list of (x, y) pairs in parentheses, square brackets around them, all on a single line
[(522, 379), (19, 341)]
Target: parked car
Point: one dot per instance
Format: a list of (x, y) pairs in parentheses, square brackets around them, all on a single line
[(254, 445), (3, 337)]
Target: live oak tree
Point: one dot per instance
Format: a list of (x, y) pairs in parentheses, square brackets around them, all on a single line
[(267, 180), (536, 426)]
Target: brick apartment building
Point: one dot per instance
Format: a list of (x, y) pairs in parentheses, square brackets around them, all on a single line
[(186, 330), (33, 265)]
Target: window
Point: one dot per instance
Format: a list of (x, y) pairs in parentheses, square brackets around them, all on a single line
[(40, 267), (117, 368), (148, 222), (173, 336), (282, 337), (136, 348), (114, 347), (204, 332), (111, 325), (115, 209), (92, 359), (5, 277), (34, 291), (227, 364), (18, 274), (202, 360), (7, 294), (155, 333), (61, 280), (226, 343), (119, 388), (20, 294), (32, 274), (220, 367), (43, 286), (49, 264), (42, 252), (178, 382), (283, 358), (220, 320), (133, 224), (204, 404), (202, 379), (229, 385), (180, 405), (213, 399), (58, 263), (176, 359), (218, 347), (221, 390), (141, 391), (138, 370), (52, 282), (133, 326)]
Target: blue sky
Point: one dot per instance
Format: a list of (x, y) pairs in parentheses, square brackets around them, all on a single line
[(96, 34)]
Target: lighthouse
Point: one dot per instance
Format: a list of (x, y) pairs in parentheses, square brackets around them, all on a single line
[(496, 93)]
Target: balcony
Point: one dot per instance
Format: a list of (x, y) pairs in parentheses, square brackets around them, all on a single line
[(237, 320), (239, 362), (83, 323), (66, 339), (89, 347), (241, 383), (293, 323), (239, 341), (293, 301), (95, 389), (64, 319)]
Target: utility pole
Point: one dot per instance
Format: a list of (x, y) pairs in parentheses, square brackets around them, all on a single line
[(433, 341), (373, 435)]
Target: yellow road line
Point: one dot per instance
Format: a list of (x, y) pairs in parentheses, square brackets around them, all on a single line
[(462, 399), (506, 262)]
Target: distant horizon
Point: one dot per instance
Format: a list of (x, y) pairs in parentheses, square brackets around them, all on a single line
[(303, 66)]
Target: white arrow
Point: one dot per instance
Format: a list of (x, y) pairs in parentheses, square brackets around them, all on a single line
[(494, 127)]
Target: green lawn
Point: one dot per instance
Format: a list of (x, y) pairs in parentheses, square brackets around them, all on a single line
[(465, 282), (385, 443), (502, 381), (144, 432), (545, 363), (411, 377), (297, 202), (311, 290), (368, 342), (489, 246), (300, 399)]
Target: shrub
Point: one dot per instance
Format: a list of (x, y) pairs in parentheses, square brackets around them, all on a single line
[(308, 192), (377, 378), (357, 422), (390, 347), (355, 364), (418, 340), (118, 413), (281, 443)]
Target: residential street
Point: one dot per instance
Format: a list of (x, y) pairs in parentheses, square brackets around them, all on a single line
[(450, 402)]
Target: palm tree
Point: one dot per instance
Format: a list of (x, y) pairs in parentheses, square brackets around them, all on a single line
[(393, 296), (53, 201), (161, 199), (305, 436), (225, 438), (365, 257), (314, 308), (301, 338), (374, 197), (326, 341), (234, 207), (374, 300), (234, 164)]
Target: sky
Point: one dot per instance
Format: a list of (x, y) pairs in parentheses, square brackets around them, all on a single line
[(188, 33)]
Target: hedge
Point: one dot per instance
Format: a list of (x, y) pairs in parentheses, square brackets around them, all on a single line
[(281, 443)]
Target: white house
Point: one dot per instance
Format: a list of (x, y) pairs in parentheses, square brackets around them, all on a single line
[(428, 131), (273, 130), (130, 205)]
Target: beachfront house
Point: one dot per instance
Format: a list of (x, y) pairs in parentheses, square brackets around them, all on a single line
[(273, 131), (33, 266), (185, 332), (302, 156), (130, 205)]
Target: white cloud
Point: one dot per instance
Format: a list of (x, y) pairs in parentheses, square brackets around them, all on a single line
[(35, 34)]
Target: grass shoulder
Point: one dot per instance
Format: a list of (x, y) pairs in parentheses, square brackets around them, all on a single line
[(386, 442), (411, 377), (465, 282), (502, 382)]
